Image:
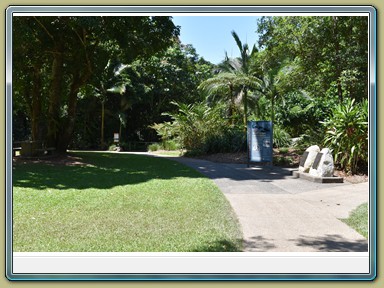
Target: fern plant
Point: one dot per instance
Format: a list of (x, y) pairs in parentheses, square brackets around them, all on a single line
[(191, 125)]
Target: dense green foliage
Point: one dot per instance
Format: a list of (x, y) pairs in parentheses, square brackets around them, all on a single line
[(101, 78), (120, 203), (191, 125), (281, 138), (347, 134), (318, 62), (153, 83), (54, 57), (329, 54)]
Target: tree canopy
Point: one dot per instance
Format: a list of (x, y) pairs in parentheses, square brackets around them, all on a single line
[(53, 57), (325, 54)]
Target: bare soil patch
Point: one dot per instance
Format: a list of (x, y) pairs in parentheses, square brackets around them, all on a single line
[(238, 158), (62, 160)]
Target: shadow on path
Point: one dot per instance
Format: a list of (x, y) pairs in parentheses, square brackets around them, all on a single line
[(237, 172), (332, 243), (258, 244)]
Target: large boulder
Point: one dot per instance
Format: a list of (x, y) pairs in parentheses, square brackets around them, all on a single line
[(308, 158), (323, 165)]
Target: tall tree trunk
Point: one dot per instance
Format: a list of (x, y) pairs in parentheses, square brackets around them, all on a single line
[(273, 107), (55, 100), (102, 123), (337, 57), (36, 114), (69, 125), (245, 100), (232, 107), (120, 130), (67, 130)]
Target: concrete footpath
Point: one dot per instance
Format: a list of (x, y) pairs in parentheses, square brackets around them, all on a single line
[(279, 213)]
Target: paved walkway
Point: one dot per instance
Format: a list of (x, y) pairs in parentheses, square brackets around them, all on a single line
[(279, 213)]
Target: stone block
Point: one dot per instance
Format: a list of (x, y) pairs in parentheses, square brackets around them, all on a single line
[(308, 158), (323, 165)]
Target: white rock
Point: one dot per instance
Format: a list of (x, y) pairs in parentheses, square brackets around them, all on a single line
[(312, 152), (326, 166)]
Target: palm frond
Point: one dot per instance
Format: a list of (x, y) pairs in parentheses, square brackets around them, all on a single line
[(237, 39)]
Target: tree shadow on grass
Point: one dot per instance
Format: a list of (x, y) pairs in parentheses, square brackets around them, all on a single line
[(252, 244), (101, 171), (332, 243), (220, 246)]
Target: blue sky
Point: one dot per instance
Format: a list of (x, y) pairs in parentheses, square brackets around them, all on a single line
[(211, 35)]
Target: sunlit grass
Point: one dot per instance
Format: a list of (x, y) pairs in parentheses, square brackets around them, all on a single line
[(358, 219), (120, 202), (174, 153)]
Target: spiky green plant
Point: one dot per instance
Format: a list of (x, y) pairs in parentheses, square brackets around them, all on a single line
[(347, 134), (281, 138)]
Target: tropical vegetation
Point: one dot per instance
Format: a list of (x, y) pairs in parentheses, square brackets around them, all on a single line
[(78, 80)]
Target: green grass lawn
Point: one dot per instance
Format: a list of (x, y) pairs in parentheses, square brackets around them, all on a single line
[(119, 202), (358, 219)]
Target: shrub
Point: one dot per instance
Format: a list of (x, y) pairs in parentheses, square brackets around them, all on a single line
[(194, 152), (283, 150), (347, 134), (313, 136), (191, 125), (226, 141), (153, 147), (282, 161), (169, 145), (281, 138), (112, 147)]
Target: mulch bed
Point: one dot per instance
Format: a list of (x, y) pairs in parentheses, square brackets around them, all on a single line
[(354, 179), (238, 158), (241, 158)]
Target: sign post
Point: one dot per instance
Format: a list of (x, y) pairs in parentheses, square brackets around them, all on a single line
[(260, 141), (116, 137)]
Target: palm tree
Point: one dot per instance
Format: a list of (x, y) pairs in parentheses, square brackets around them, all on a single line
[(234, 81), (223, 87), (116, 79), (273, 84), (269, 88)]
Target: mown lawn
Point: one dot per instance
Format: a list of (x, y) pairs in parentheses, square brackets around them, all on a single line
[(119, 202), (358, 219)]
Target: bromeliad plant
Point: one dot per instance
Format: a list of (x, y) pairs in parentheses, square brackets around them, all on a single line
[(347, 134)]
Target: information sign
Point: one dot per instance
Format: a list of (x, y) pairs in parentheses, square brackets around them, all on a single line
[(116, 137), (260, 141)]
